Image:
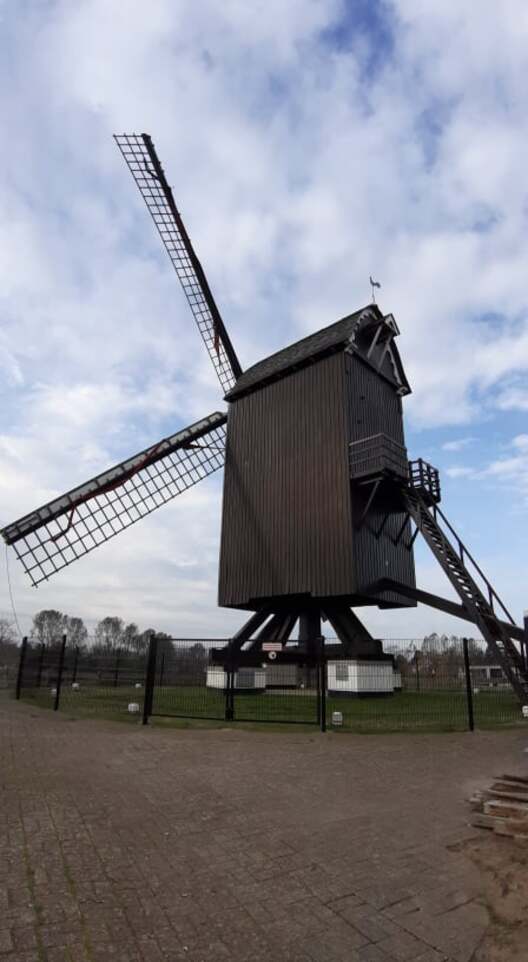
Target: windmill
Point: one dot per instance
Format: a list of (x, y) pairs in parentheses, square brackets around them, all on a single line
[(321, 505)]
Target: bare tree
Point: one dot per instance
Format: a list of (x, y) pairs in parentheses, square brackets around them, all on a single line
[(109, 634), (76, 630), (7, 632), (48, 626), (166, 646), (144, 639), (9, 651), (131, 638)]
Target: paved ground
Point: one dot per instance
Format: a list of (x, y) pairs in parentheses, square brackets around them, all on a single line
[(124, 843)]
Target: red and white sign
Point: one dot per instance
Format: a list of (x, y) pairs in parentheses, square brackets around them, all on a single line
[(272, 646)]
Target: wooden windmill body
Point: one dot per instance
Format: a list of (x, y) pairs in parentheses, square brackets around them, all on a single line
[(321, 506), (292, 515)]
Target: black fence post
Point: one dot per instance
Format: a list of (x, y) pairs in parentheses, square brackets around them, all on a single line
[(229, 671), (150, 678), (20, 673), (162, 670), (525, 643), (116, 667), (319, 684), (59, 674), (323, 683), (75, 660), (40, 664), (469, 690)]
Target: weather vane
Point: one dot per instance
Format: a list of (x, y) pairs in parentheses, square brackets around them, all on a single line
[(373, 284)]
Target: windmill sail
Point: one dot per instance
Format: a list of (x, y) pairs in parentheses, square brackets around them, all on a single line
[(145, 167), (68, 527)]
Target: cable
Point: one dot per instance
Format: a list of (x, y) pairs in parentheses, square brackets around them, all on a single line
[(13, 609)]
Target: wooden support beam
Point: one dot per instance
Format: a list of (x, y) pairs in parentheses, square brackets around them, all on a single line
[(370, 499), (278, 628), (379, 532), (244, 633), (435, 601), (310, 630), (398, 537), (413, 538), (349, 629), (288, 624)]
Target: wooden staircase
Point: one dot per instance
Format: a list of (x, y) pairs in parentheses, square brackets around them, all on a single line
[(431, 522)]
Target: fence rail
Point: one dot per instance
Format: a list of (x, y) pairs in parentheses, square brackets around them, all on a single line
[(415, 686)]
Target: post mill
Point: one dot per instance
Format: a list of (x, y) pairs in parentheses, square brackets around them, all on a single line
[(321, 505)]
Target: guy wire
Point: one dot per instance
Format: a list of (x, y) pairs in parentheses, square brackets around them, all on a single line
[(13, 609)]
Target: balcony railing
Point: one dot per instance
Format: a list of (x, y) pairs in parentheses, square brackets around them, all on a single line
[(425, 479), (376, 456)]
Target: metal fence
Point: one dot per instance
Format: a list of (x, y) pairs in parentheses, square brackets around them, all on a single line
[(416, 686), (80, 680), (198, 679)]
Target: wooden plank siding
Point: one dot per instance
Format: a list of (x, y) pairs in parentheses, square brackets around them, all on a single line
[(290, 512), (287, 524), (373, 404), (374, 407)]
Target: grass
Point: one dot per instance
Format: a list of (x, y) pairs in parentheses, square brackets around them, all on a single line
[(197, 706)]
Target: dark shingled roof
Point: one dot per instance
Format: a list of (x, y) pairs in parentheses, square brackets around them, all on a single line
[(303, 352)]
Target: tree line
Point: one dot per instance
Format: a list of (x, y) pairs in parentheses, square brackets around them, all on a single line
[(436, 653), (111, 634), (442, 655), (8, 643)]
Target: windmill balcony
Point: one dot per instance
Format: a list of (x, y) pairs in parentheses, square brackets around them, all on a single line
[(425, 479), (378, 456)]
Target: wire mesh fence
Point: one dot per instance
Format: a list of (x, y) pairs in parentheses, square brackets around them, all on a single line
[(417, 685), (86, 681), (182, 681)]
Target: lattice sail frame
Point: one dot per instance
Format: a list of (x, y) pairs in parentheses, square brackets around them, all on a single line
[(69, 527), (145, 167)]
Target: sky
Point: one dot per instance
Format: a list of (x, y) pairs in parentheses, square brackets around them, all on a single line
[(309, 144)]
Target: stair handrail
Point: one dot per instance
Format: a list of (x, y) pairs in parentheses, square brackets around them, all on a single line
[(511, 659), (463, 550)]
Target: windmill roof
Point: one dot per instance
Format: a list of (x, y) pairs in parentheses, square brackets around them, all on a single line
[(316, 346)]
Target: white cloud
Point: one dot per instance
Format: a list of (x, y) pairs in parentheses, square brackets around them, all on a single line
[(458, 444), (460, 472), (510, 471), (10, 367), (514, 398)]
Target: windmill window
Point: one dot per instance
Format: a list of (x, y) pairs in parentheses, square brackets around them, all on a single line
[(342, 671)]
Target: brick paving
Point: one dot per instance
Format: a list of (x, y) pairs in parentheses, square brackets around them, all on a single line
[(143, 845)]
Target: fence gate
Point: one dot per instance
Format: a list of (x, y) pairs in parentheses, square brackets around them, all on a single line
[(199, 679), (281, 686)]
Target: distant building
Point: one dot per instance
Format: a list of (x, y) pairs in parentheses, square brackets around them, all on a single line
[(488, 676)]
